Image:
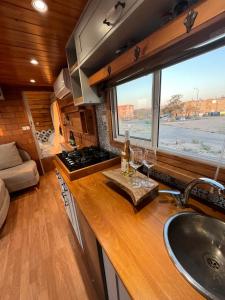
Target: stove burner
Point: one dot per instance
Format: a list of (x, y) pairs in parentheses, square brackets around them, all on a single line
[(84, 157)]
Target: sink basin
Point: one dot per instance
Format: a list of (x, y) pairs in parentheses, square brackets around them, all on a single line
[(196, 245)]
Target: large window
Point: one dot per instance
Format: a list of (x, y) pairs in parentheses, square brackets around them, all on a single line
[(134, 102), (192, 110), (191, 114)]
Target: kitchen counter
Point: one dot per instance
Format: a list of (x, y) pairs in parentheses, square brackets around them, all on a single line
[(133, 240)]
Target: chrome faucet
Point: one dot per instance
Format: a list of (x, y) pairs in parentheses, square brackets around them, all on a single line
[(182, 199)]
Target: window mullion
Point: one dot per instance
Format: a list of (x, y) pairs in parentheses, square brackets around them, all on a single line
[(156, 107), (114, 114)]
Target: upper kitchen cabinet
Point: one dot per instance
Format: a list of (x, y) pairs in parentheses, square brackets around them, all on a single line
[(99, 20), (71, 54), (106, 29), (82, 93)]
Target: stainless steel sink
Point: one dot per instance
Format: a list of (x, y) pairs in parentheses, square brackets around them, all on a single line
[(196, 245)]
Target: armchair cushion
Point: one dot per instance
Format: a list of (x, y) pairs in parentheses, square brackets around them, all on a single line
[(9, 156), (21, 176)]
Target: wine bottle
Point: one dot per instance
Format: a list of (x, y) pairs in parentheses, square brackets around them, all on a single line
[(72, 140), (125, 154)]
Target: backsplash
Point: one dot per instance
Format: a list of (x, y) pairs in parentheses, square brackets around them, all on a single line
[(214, 199), (103, 131)]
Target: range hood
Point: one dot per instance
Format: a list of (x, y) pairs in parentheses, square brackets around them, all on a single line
[(62, 85)]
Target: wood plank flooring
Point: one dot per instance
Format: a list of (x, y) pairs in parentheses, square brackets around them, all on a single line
[(39, 257)]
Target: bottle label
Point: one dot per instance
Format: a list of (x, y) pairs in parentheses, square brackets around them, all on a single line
[(124, 165)]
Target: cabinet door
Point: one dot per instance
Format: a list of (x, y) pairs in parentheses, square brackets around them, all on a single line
[(67, 205), (92, 30), (70, 207), (100, 18), (123, 294), (75, 222), (115, 288), (60, 180), (91, 255)]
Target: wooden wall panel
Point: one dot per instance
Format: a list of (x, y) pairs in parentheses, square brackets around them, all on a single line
[(13, 117), (39, 105), (75, 123)]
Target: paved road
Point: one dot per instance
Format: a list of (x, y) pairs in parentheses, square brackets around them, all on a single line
[(172, 133)]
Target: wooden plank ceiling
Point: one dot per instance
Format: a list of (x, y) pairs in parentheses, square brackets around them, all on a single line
[(26, 34)]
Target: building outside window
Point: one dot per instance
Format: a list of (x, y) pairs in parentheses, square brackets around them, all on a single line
[(134, 107)]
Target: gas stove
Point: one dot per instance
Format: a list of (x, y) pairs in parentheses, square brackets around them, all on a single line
[(85, 157)]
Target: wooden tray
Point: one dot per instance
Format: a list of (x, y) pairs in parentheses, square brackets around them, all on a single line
[(72, 175), (138, 195)]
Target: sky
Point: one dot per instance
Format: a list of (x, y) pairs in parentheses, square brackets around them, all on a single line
[(201, 77)]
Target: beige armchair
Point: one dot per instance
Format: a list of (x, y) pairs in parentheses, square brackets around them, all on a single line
[(21, 176), (4, 202)]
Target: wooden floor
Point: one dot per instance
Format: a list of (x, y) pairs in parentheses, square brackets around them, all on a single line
[(39, 258)]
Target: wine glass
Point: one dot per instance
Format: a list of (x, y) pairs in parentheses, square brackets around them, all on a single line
[(136, 158), (149, 159)]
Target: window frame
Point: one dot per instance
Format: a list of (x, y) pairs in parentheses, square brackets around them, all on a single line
[(156, 101), (115, 118)]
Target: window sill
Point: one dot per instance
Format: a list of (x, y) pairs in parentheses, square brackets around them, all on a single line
[(194, 158), (179, 166)]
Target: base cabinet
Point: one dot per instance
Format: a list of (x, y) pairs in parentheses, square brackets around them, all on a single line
[(101, 272), (92, 256), (70, 207), (115, 288)]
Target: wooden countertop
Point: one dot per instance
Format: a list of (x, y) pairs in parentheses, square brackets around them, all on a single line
[(134, 241)]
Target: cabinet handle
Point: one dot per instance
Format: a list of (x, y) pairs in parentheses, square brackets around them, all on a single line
[(66, 202), (119, 3), (64, 187), (107, 22)]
